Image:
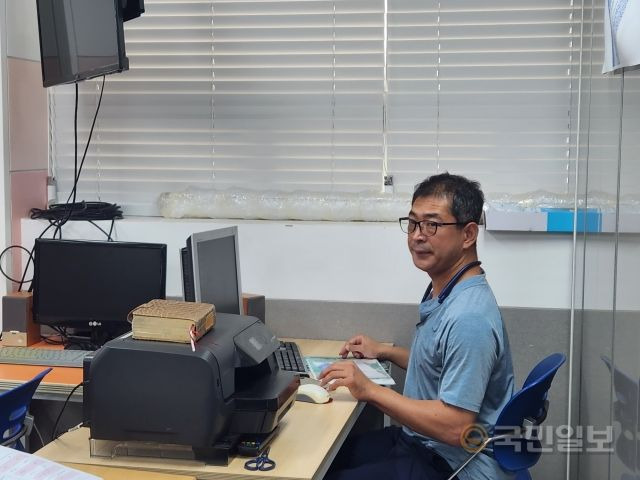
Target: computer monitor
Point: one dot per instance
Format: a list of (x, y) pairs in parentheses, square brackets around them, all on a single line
[(81, 39), (211, 269), (92, 286)]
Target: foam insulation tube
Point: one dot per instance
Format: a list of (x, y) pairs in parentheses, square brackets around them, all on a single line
[(275, 205)]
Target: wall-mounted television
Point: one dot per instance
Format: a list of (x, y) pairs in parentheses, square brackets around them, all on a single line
[(81, 39)]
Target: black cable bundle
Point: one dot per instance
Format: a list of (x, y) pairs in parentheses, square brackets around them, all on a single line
[(90, 211)]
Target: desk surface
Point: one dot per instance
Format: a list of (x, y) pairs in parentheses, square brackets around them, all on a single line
[(55, 386), (309, 437), (110, 473)]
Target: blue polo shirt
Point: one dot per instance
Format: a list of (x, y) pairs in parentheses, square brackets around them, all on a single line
[(460, 355)]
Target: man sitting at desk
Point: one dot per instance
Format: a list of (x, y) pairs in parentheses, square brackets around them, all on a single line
[(459, 371)]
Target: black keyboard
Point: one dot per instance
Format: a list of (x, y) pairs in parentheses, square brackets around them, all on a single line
[(289, 358)]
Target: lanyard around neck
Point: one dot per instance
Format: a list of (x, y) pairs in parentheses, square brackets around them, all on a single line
[(451, 283)]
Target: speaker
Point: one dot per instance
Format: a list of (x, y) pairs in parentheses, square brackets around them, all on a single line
[(254, 305), (18, 329)]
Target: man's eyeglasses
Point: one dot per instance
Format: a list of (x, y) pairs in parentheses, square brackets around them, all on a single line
[(427, 227)]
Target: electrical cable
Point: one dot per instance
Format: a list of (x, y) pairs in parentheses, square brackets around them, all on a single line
[(51, 339), (54, 436), (82, 342), (75, 145), (38, 434), (29, 260), (113, 224), (59, 214), (21, 281), (77, 170), (63, 338), (109, 239), (62, 333), (86, 148)]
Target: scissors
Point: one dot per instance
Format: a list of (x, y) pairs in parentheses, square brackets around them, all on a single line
[(262, 462)]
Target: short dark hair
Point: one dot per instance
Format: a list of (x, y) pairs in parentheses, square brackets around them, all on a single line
[(465, 196)]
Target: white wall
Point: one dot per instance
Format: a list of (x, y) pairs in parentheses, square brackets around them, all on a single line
[(359, 261), (22, 29)]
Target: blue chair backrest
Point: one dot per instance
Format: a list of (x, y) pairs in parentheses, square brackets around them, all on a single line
[(14, 405), (516, 455)]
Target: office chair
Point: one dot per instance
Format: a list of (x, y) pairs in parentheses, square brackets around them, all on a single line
[(516, 448), (14, 405)]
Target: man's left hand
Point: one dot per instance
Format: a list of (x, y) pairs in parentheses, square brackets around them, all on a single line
[(347, 374)]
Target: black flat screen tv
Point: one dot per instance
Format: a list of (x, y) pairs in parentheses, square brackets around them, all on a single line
[(80, 39), (91, 286)]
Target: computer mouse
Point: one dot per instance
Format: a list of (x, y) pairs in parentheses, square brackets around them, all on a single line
[(312, 393)]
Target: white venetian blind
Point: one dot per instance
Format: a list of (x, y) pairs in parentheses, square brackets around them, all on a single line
[(258, 94), (290, 95), (482, 89)]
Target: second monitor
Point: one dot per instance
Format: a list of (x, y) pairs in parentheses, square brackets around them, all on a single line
[(92, 286), (211, 269)]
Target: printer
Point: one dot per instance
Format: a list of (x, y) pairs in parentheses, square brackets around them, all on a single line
[(164, 392)]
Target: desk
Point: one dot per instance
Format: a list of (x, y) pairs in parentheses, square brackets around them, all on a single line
[(309, 438), (110, 473), (55, 386)]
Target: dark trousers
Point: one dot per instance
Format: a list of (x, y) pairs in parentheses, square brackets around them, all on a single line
[(387, 454)]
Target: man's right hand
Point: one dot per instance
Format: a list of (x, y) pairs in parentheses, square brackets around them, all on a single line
[(361, 346)]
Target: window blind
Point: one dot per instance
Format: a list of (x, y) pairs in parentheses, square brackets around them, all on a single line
[(482, 89), (306, 94)]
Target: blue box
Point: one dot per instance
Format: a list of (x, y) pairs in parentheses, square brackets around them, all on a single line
[(561, 220)]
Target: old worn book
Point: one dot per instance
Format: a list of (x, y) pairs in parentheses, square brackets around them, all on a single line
[(172, 320)]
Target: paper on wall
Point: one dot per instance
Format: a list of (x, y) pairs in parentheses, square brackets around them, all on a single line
[(621, 34)]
